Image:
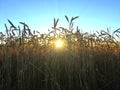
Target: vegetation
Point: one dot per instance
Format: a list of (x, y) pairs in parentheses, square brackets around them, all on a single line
[(62, 59)]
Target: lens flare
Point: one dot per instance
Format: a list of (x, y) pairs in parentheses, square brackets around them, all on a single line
[(59, 43)]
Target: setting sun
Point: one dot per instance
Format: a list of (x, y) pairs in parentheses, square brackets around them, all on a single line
[(59, 44)]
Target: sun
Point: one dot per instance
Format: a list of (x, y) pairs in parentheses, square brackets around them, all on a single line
[(59, 43)]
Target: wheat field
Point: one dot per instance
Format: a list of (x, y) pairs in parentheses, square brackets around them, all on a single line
[(62, 59)]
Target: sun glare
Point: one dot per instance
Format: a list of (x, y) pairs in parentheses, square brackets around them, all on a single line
[(59, 43)]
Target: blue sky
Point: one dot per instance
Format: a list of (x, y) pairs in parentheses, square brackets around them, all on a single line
[(39, 14)]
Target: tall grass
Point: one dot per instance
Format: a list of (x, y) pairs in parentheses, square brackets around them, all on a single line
[(30, 61)]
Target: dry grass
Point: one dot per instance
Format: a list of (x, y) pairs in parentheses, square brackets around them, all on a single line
[(30, 61)]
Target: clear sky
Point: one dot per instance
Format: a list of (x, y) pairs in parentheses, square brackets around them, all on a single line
[(39, 14)]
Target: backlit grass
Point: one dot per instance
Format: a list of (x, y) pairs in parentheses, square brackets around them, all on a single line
[(59, 61)]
